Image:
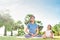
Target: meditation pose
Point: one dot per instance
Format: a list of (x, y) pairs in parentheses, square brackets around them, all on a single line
[(32, 27), (48, 33)]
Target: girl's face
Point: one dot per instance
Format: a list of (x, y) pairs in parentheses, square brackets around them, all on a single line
[(32, 19), (49, 27)]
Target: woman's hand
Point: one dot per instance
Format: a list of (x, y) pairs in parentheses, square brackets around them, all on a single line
[(33, 35)]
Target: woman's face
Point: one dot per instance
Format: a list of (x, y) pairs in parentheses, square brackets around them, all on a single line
[(32, 19)]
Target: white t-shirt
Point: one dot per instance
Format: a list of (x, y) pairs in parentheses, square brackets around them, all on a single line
[(48, 33)]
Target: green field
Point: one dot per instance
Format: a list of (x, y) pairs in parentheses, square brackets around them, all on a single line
[(14, 38)]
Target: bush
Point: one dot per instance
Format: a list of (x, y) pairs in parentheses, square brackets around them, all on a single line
[(20, 32)]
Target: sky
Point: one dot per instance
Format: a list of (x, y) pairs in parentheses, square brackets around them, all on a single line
[(48, 11)]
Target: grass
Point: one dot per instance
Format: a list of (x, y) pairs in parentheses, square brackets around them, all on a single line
[(14, 38)]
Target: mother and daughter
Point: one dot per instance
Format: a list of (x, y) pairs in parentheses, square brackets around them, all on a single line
[(33, 30)]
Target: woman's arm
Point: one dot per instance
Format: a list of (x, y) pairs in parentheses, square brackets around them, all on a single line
[(37, 31), (26, 30)]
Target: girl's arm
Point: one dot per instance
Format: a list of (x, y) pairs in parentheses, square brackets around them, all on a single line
[(44, 35), (51, 34)]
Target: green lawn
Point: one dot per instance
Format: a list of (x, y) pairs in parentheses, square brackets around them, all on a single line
[(14, 38)]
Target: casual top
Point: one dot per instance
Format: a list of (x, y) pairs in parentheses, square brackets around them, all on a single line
[(32, 28), (48, 33)]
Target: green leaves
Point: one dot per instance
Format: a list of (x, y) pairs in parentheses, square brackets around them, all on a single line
[(56, 29)]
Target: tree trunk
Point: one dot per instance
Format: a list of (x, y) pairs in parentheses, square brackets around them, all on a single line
[(11, 31), (5, 32)]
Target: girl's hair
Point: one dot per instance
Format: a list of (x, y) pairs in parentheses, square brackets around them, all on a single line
[(50, 26)]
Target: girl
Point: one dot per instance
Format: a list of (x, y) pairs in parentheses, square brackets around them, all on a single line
[(48, 32)]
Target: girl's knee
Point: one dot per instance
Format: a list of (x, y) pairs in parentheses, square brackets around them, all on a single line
[(43, 36), (51, 37)]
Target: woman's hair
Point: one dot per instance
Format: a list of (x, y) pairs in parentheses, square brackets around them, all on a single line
[(32, 16), (50, 26)]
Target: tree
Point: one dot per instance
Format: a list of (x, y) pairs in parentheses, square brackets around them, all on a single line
[(56, 29), (20, 30), (27, 18), (7, 21), (40, 26), (19, 26), (1, 21)]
